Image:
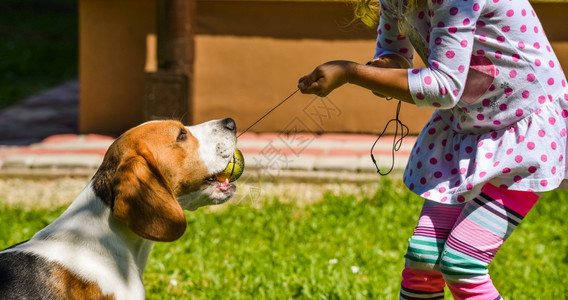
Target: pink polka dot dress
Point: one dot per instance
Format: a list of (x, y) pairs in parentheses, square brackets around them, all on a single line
[(500, 94)]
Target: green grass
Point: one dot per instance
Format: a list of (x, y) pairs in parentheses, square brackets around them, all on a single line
[(39, 46), (286, 251)]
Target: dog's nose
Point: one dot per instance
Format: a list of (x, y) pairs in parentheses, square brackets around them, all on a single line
[(230, 124)]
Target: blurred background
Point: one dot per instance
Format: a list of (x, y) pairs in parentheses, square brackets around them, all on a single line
[(134, 60), (38, 46)]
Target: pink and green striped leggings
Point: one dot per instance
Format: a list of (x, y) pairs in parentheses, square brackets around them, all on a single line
[(453, 244)]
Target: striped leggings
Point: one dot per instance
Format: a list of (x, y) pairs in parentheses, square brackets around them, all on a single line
[(453, 244)]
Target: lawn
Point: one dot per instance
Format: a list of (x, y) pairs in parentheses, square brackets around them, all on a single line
[(340, 247)]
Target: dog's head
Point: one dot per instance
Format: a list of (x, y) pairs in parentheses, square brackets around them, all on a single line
[(154, 171)]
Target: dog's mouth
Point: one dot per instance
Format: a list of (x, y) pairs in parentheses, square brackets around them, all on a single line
[(211, 192), (221, 184), (217, 188), (222, 181)]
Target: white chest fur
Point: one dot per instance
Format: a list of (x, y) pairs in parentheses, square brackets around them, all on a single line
[(87, 240)]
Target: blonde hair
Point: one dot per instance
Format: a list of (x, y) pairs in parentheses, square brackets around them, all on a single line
[(367, 11)]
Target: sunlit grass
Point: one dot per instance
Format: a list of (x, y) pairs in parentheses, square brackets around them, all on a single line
[(342, 247)]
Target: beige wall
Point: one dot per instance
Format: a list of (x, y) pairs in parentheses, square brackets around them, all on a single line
[(245, 68), (112, 39), (553, 16), (249, 56)]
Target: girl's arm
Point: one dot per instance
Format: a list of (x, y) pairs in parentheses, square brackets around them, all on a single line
[(439, 85), (389, 61), (331, 75)]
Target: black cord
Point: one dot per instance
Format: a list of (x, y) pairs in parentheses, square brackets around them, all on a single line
[(397, 143), (266, 114)]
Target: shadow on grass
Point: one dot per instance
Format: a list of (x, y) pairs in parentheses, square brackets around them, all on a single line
[(38, 42)]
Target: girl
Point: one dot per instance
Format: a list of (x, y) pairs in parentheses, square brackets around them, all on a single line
[(496, 141)]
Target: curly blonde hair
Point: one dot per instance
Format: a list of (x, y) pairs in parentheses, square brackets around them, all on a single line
[(367, 11)]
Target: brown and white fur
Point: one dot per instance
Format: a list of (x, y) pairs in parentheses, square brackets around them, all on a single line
[(98, 248)]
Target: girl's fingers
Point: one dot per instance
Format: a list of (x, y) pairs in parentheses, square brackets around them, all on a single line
[(313, 88), (304, 83), (308, 85), (325, 78)]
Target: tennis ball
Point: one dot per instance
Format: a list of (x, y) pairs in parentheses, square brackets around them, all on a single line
[(234, 168)]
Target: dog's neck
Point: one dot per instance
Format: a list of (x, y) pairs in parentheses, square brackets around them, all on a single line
[(88, 223)]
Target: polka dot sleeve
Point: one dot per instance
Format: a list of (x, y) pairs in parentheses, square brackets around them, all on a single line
[(451, 40), (389, 40)]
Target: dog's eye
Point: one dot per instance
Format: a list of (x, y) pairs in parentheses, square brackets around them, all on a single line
[(182, 135)]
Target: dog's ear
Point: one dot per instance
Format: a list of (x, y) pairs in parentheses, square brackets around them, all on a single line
[(144, 200)]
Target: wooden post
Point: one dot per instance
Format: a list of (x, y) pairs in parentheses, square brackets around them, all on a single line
[(169, 89)]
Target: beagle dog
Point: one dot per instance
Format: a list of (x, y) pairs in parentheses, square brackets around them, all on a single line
[(98, 248)]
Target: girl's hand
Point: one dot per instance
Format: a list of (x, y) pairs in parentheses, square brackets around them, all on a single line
[(382, 77), (327, 77)]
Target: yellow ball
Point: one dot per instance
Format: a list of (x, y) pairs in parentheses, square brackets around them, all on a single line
[(234, 168)]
